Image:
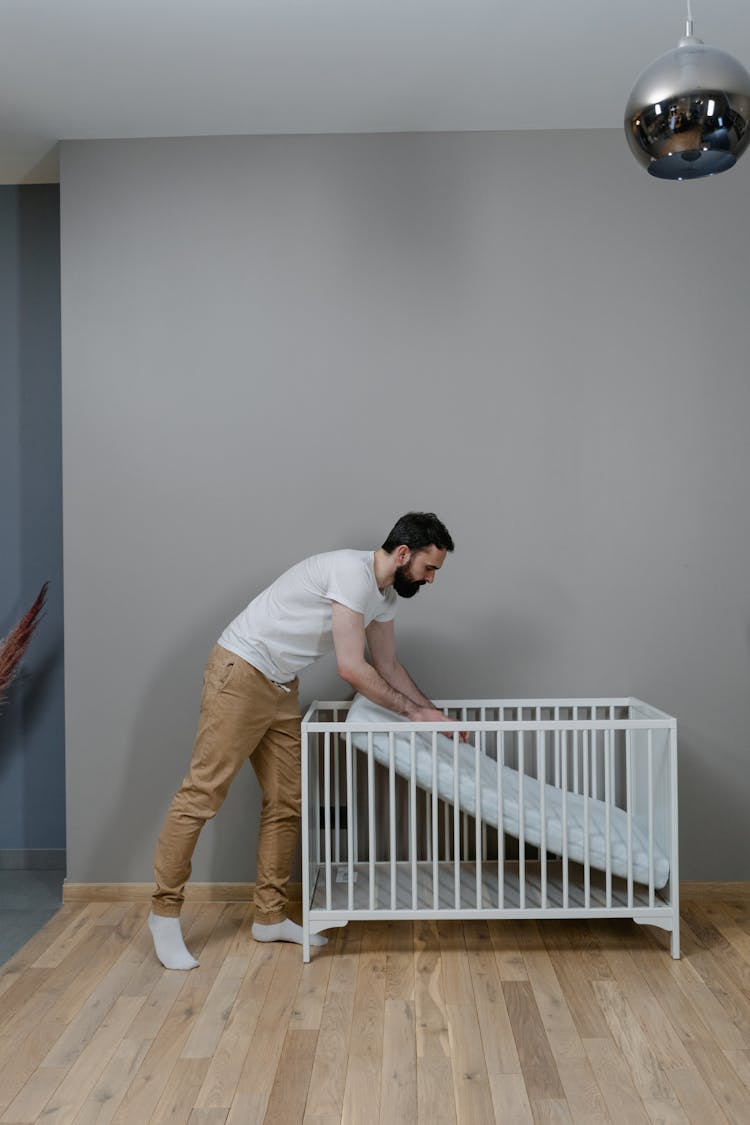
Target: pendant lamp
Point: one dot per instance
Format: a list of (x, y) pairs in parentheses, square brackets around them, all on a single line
[(688, 115)]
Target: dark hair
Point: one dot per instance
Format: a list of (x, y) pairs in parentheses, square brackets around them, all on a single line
[(418, 531)]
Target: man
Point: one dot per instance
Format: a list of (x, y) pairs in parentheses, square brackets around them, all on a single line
[(344, 600)]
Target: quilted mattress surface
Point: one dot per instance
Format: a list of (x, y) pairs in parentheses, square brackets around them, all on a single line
[(364, 711)]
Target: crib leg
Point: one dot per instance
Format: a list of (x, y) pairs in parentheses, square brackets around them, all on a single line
[(672, 927), (315, 928), (675, 941)]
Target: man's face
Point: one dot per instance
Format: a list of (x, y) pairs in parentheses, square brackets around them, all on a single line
[(420, 567)]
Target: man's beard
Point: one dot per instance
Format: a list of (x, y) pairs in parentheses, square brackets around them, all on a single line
[(404, 586)]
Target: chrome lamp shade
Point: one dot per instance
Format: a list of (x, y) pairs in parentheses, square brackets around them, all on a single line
[(688, 115)]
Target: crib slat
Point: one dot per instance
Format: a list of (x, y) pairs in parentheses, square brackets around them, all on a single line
[(349, 821), (352, 811), (500, 751), (435, 877), (327, 812), (586, 864), (371, 819), (465, 815), (557, 752), (566, 889), (456, 828), (483, 742), (629, 809), (650, 817), (316, 798), (674, 875), (392, 821), (337, 798), (478, 821), (576, 787), (521, 826), (608, 817), (413, 807), (541, 769)]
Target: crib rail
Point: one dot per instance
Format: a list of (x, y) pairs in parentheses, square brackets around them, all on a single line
[(379, 844)]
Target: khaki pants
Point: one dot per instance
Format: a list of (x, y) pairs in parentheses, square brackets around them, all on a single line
[(243, 715)]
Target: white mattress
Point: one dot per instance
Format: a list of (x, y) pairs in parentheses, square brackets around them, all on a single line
[(363, 711)]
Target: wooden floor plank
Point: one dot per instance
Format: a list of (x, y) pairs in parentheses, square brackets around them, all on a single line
[(32, 1098), (286, 1102), (307, 1009), (740, 1062), (723, 972), (78, 927), (725, 1084), (79, 1033), (728, 924), (211, 1023), (154, 1073), (365, 1062), (435, 1098), (534, 1052), (257, 1076), (696, 1099), (456, 972), (207, 1116), (510, 964), (68, 1098), (639, 1054), (498, 1042), (552, 1111), (510, 1099), (178, 1097), (709, 1007), (548, 993), (583, 1095), (429, 993), (398, 1090), (105, 1098), (615, 1081), (471, 1084), (325, 1098), (222, 1079), (399, 967), (16, 998), (38, 944)]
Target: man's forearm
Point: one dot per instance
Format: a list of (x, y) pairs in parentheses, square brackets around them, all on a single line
[(369, 682), (401, 681)]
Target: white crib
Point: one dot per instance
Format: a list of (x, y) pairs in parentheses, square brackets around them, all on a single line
[(400, 820)]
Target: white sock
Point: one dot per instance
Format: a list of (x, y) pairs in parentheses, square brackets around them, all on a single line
[(284, 931), (169, 944)]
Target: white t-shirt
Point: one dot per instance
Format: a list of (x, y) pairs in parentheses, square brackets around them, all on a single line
[(289, 625)]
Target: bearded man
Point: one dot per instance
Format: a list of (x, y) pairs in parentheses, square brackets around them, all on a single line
[(343, 600)]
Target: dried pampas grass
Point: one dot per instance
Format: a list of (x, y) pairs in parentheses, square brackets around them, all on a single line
[(15, 644)]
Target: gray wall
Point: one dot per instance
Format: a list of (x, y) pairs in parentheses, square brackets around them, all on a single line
[(274, 346), (32, 723)]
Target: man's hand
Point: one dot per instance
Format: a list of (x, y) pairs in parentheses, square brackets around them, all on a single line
[(433, 715)]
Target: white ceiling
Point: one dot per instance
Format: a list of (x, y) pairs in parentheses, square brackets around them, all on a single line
[(143, 68)]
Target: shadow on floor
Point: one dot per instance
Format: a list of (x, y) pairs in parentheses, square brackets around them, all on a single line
[(28, 899)]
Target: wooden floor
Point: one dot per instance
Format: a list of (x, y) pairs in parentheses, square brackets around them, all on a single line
[(391, 1022)]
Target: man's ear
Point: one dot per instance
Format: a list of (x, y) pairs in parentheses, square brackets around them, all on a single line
[(403, 554)]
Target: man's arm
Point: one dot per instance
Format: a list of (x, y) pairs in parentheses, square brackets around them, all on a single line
[(349, 642), (381, 641)]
